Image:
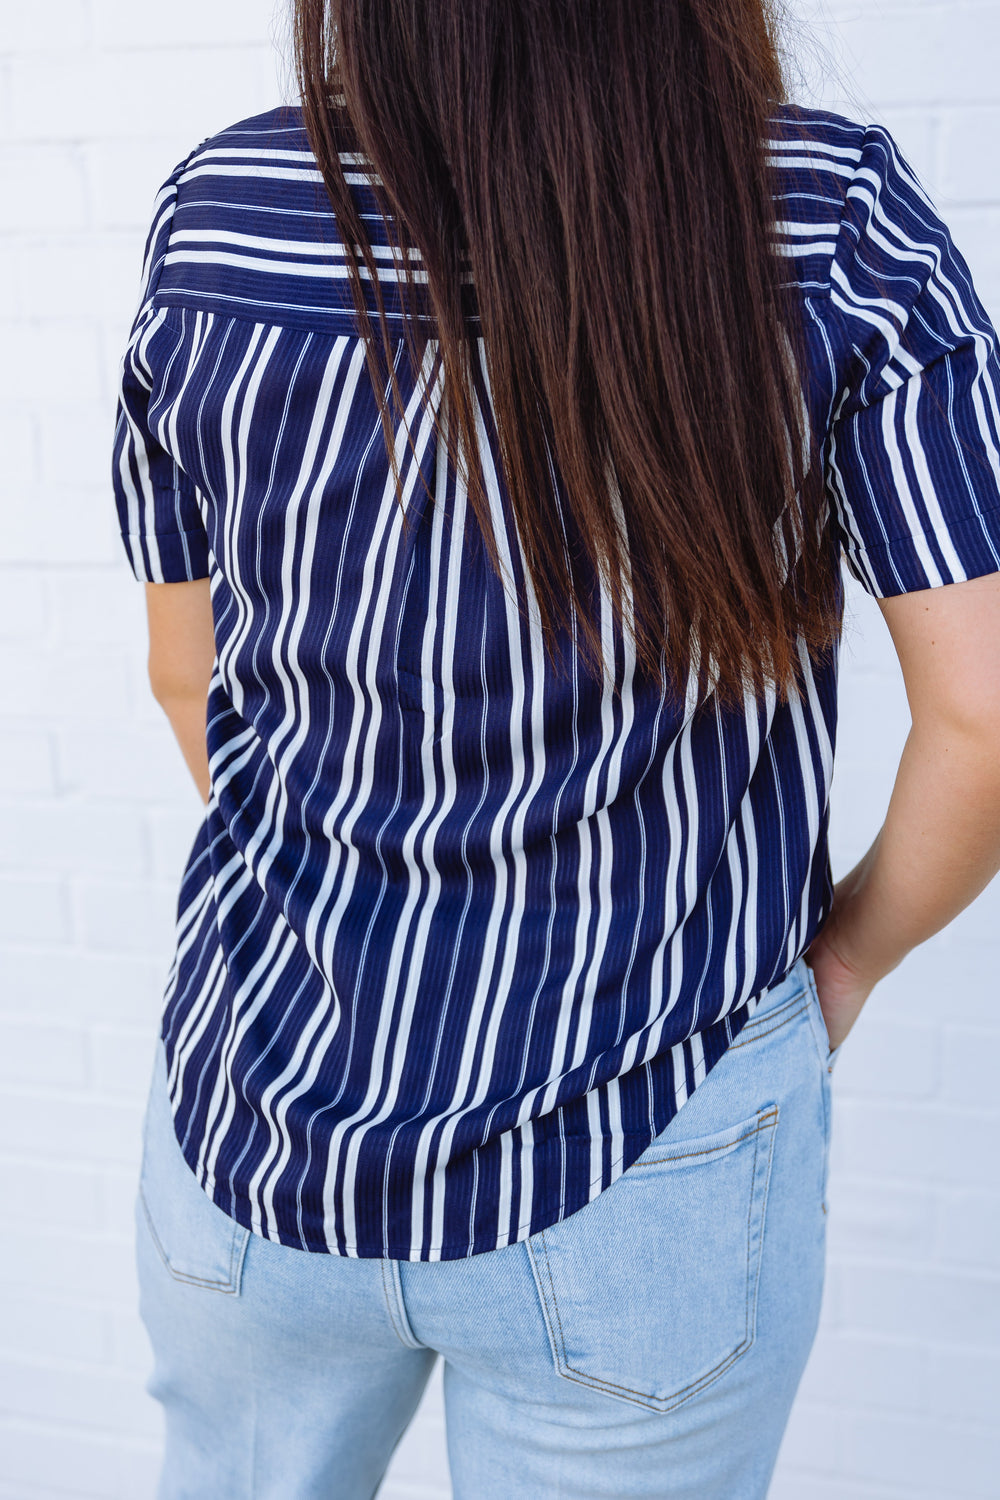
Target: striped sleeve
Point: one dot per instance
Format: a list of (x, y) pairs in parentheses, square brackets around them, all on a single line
[(158, 510), (913, 451)]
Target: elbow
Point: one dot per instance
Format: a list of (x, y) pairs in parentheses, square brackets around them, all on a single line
[(171, 687), (970, 730), (162, 683)]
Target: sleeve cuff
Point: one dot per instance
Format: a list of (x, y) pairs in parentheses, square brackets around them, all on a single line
[(968, 548), (171, 557)]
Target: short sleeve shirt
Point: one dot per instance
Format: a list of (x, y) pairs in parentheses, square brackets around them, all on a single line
[(465, 924)]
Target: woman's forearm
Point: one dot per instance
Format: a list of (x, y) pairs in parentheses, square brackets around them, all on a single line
[(938, 848), (181, 662), (186, 713)]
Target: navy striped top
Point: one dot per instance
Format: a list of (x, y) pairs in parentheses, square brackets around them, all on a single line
[(461, 932)]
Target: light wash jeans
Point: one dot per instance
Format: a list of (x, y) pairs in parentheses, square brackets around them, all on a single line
[(650, 1345)]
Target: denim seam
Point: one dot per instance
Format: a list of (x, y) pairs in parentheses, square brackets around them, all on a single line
[(767, 1122), (765, 1017), (393, 1292), (239, 1254), (762, 1121), (765, 1194), (760, 1034), (228, 1288)]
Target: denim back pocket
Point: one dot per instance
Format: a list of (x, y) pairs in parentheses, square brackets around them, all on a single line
[(650, 1292), (197, 1242)]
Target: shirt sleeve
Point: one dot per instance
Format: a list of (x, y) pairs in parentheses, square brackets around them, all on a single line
[(913, 451), (158, 510)]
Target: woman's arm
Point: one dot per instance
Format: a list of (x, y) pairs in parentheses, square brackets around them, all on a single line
[(181, 657), (940, 843)]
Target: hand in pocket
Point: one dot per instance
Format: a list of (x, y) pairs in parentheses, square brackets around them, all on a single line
[(841, 993)]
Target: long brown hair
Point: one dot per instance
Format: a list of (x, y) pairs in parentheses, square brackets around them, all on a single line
[(600, 167)]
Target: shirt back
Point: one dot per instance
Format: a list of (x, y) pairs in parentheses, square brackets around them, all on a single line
[(465, 924)]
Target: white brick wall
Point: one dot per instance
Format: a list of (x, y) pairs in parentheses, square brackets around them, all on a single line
[(98, 99)]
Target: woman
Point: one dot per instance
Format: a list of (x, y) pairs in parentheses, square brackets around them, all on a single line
[(490, 435)]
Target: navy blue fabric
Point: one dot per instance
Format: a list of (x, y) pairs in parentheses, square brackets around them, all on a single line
[(461, 932)]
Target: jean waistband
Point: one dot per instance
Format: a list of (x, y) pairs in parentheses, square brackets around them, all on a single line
[(793, 986)]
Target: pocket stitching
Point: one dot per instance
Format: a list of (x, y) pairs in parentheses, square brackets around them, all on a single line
[(237, 1250), (767, 1120), (762, 1120), (758, 1035)]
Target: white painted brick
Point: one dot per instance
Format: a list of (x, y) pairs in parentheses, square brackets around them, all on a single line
[(971, 147), (921, 1143), (130, 1348), (99, 607), (126, 175), (24, 612), (891, 1057), (947, 58), (58, 23), (53, 1328), (945, 980), (41, 354), (43, 1052), (94, 274), (876, 721), (91, 686), (63, 834), (20, 1492), (42, 187), (112, 1468), (851, 1370), (6, 111), (829, 1316), (123, 1061), (812, 1437), (126, 763), (877, 1217), (980, 922), (133, 92), (19, 436), (975, 233), (39, 1192), (87, 1397), (34, 911), (970, 1064), (117, 1187), (226, 23), (75, 444), (796, 1485), (943, 1307), (966, 1386), (27, 761), (52, 526), (968, 1230), (171, 833), (116, 988), (126, 916), (73, 1128), (897, 1450), (12, 301), (146, 712), (87, 1268)]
